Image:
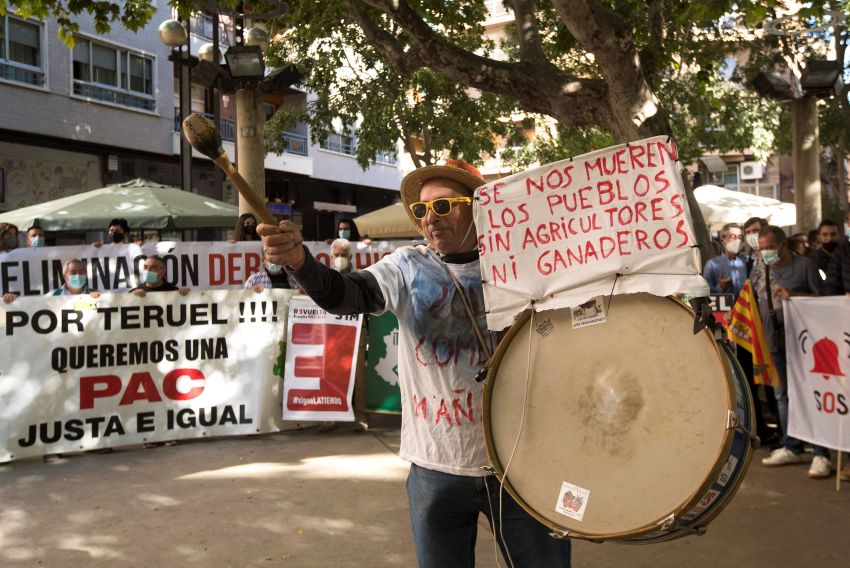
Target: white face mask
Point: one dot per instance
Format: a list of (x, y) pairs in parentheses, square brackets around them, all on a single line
[(770, 257), (341, 263), (733, 246), (753, 240)]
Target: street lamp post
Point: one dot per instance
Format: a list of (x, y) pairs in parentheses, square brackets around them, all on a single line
[(246, 66), (174, 35)]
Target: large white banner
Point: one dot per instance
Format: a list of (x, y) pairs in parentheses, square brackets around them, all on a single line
[(558, 235), (80, 373), (204, 265), (817, 343), (319, 373)]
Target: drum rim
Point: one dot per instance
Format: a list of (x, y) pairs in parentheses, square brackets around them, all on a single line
[(707, 483)]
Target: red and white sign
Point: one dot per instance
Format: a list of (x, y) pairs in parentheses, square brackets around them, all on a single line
[(560, 234), (817, 343), (320, 356)]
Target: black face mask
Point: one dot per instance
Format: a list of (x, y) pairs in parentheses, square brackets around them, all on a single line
[(116, 237), (250, 230), (830, 246)]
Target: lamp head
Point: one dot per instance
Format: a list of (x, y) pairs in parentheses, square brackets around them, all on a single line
[(172, 33)]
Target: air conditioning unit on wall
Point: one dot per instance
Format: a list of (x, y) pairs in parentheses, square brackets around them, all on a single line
[(752, 170)]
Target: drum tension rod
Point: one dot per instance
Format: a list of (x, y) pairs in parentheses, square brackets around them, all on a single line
[(698, 531), (734, 423), (672, 521)]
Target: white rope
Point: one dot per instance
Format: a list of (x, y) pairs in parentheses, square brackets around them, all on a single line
[(518, 436)]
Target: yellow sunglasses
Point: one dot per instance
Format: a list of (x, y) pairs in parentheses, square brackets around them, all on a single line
[(441, 206)]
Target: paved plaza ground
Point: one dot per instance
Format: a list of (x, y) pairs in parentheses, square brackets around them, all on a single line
[(304, 499)]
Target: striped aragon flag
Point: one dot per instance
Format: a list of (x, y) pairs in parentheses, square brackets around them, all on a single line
[(746, 330)]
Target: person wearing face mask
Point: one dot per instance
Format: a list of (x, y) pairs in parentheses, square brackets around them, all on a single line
[(827, 243), (838, 272), (777, 276), (76, 280), (116, 233), (270, 275), (35, 237), (346, 229), (751, 239), (152, 278), (436, 293), (8, 237), (246, 228), (727, 272), (341, 262)]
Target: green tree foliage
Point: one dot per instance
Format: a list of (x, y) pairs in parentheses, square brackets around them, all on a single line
[(424, 72)]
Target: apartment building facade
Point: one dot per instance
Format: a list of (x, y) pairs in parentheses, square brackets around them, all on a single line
[(105, 111)]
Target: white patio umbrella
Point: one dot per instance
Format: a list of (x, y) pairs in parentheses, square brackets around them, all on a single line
[(720, 206)]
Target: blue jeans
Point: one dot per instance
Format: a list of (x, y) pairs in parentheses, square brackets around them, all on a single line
[(444, 512), (781, 394)]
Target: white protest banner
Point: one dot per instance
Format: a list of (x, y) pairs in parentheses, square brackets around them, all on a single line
[(558, 235), (817, 350), (80, 373), (319, 372), (204, 265)]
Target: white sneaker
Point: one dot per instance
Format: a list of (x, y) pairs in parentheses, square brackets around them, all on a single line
[(781, 456), (821, 467)]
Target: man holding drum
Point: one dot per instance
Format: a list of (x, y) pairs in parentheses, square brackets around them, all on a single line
[(443, 343)]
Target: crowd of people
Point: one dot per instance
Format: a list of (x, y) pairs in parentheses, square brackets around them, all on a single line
[(779, 267)]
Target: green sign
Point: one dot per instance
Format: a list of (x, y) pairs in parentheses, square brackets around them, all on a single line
[(382, 391)]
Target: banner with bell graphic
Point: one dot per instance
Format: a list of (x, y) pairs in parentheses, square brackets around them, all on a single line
[(817, 339)]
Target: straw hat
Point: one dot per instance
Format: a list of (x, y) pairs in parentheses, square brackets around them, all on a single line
[(456, 170)]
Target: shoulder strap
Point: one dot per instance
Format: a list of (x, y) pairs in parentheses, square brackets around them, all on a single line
[(468, 310), (771, 311)]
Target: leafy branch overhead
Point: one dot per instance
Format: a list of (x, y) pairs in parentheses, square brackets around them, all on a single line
[(427, 72)]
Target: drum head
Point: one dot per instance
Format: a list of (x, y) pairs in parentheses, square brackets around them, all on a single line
[(623, 423)]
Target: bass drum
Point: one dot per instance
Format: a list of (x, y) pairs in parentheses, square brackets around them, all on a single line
[(631, 429)]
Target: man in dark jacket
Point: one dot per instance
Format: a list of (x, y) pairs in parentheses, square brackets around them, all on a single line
[(828, 239), (838, 272)]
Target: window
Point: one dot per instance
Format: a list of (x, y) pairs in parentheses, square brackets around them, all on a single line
[(388, 158), (727, 178), (201, 25), (342, 143), (118, 76), (20, 51)]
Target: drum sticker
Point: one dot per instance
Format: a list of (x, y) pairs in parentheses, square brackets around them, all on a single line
[(700, 507), (726, 472), (589, 313), (545, 328), (572, 501)]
